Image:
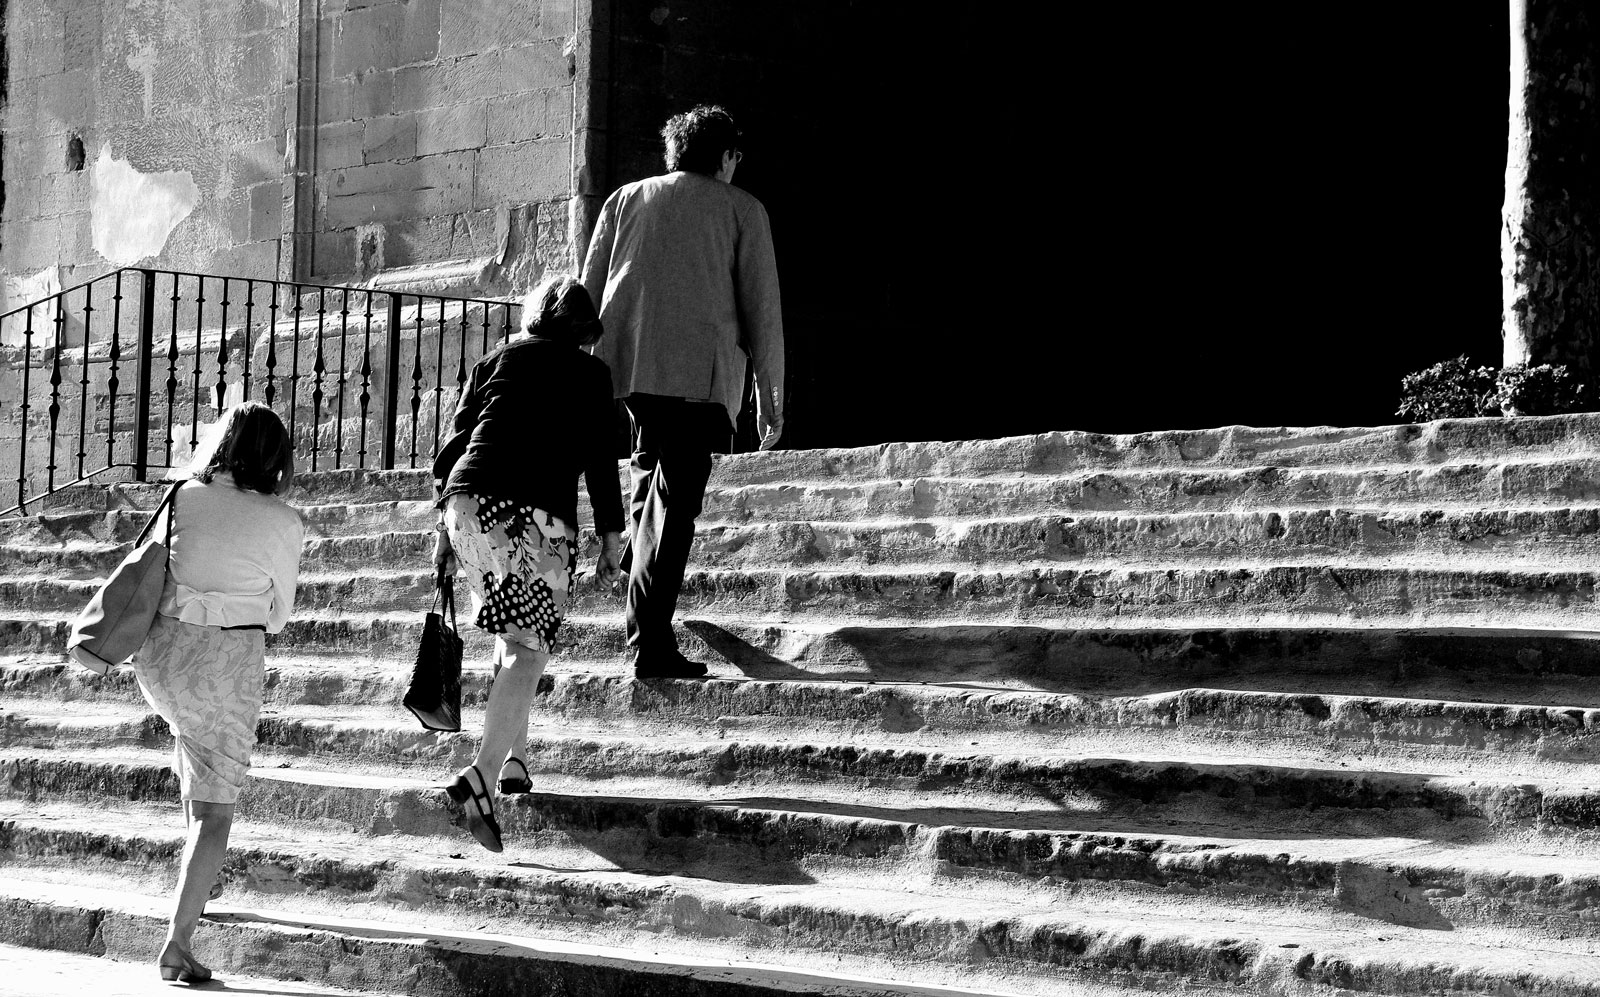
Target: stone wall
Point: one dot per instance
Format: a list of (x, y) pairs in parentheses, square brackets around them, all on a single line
[(445, 133), (327, 139), (142, 130)]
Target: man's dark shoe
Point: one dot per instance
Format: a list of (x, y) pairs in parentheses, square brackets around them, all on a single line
[(666, 665)]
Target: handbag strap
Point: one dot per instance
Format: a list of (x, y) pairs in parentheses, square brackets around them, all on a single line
[(448, 590), (168, 502)]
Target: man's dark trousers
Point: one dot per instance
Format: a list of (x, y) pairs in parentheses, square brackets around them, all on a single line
[(673, 440)]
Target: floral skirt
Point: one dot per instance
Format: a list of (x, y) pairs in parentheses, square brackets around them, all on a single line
[(518, 561), (206, 684)]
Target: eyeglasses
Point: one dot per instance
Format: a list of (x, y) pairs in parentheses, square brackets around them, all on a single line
[(738, 157)]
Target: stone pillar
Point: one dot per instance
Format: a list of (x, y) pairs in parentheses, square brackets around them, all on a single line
[(1550, 223)]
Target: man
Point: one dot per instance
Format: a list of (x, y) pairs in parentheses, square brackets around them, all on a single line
[(683, 269)]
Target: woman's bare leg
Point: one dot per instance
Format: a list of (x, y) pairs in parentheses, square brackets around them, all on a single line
[(209, 825), (505, 722)]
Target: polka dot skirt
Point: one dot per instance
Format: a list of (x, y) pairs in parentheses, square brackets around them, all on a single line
[(519, 562)]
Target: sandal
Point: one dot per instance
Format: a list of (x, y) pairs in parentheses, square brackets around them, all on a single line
[(478, 806), (515, 785), (184, 971)]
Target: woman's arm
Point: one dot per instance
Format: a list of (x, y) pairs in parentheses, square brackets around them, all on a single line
[(285, 563)]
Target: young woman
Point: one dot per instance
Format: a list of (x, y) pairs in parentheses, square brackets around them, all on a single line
[(535, 414), (235, 557)]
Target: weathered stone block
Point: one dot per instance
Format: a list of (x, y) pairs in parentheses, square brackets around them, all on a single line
[(61, 193), (419, 240), (36, 46), (419, 31), (64, 101), (340, 144), (21, 108), (334, 101), (75, 242), (523, 172), (557, 18), (24, 198), (237, 211), (534, 114), (334, 252), (373, 93), (365, 39), (81, 44), (539, 66), (451, 171), (254, 259), (474, 235), (456, 81), (262, 17), (447, 129), (483, 27), (266, 212), (553, 248), (256, 162), (392, 136)]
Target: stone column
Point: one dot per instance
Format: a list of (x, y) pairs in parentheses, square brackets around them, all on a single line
[(1550, 223)]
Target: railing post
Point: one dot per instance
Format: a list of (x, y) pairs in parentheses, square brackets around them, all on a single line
[(391, 381), (141, 411)]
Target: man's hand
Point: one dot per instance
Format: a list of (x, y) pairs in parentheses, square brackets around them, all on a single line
[(769, 431), (444, 557), (608, 566)]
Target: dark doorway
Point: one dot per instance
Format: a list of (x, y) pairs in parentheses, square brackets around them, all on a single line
[(995, 221)]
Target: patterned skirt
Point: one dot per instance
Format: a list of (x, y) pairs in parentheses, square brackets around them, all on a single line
[(206, 684), (518, 561)]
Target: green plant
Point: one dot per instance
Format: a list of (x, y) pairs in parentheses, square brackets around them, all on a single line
[(1548, 389), (1451, 389)]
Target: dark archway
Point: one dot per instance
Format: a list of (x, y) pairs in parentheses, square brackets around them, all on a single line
[(994, 222)]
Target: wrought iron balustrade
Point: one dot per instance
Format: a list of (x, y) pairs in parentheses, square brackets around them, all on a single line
[(350, 370)]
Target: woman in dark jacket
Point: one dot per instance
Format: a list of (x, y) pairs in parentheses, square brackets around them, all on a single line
[(539, 412)]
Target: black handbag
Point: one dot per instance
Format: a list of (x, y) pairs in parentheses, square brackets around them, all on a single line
[(435, 693)]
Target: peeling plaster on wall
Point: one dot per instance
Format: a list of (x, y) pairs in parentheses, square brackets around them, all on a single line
[(131, 213)]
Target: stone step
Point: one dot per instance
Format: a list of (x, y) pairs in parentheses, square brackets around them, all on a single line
[(1079, 594), (1414, 499), (1411, 882), (353, 656), (1092, 793), (306, 698), (1087, 594), (319, 946), (1504, 537), (28, 972), (1089, 939)]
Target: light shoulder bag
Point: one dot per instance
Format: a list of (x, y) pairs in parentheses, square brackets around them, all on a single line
[(115, 623)]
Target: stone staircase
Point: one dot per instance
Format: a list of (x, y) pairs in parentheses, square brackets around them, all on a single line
[(1305, 712)]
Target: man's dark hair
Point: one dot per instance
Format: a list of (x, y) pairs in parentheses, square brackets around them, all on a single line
[(560, 308), (253, 447), (697, 138)]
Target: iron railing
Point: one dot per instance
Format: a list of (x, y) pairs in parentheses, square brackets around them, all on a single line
[(348, 369)]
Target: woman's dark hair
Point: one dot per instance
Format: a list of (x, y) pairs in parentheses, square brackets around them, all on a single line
[(560, 308), (697, 138), (251, 445)]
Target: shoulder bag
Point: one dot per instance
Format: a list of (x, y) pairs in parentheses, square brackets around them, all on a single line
[(115, 623)]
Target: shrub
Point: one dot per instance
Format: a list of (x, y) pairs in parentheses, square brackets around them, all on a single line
[(1454, 389), (1451, 389), (1548, 389)]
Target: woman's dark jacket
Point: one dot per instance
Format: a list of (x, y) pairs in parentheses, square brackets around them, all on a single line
[(540, 413)]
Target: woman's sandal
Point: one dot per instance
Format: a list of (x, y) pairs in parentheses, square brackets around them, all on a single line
[(515, 785), (478, 806), (186, 971)]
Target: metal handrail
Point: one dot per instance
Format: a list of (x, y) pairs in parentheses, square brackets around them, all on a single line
[(218, 363)]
